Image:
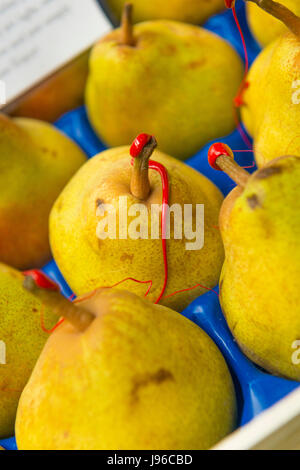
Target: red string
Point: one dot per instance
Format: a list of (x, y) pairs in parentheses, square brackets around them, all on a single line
[(165, 201), (238, 100), (191, 288)]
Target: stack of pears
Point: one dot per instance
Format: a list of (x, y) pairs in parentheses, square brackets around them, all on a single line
[(22, 337), (88, 262), (193, 11), (122, 373), (36, 163), (259, 286), (267, 28), (171, 79), (271, 112)]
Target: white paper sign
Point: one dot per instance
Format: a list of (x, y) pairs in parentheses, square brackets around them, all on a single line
[(37, 37)]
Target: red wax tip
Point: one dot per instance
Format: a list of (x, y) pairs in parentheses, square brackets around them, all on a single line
[(41, 279), (215, 151), (229, 3), (138, 144)]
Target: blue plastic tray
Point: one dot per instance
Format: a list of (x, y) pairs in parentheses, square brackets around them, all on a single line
[(256, 390)]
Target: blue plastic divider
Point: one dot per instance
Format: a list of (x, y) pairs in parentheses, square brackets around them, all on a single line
[(256, 389)]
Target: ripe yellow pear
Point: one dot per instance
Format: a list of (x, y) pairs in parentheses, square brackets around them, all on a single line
[(171, 79), (272, 101), (36, 162), (266, 28), (122, 373), (191, 11), (21, 341), (89, 260), (259, 286)]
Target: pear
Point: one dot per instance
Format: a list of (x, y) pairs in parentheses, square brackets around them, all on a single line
[(259, 286), (193, 11), (122, 373), (167, 78), (21, 341), (89, 260), (36, 163), (266, 28), (271, 112)]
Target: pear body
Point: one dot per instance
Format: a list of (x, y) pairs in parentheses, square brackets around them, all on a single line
[(22, 340), (259, 287), (140, 377), (177, 82), (36, 163), (274, 83), (193, 11), (88, 262), (265, 27)]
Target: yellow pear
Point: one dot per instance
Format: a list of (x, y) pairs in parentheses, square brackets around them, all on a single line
[(191, 11), (90, 258), (21, 341), (171, 79), (36, 162), (266, 28), (122, 373), (272, 101), (259, 286)]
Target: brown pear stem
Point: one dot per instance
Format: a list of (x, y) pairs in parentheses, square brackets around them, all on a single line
[(140, 184), (232, 169), (127, 38), (77, 316), (281, 12)]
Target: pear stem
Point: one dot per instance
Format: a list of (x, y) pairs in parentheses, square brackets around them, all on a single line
[(140, 184), (232, 169), (280, 12), (77, 316), (127, 38)]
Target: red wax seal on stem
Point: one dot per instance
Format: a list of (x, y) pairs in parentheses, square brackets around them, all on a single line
[(215, 151), (41, 280), (138, 144)]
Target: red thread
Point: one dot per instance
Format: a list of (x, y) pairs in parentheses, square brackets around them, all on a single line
[(191, 288), (239, 99)]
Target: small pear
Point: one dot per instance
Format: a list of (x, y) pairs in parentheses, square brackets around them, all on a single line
[(271, 112), (122, 373), (265, 27), (171, 79), (259, 286), (193, 11), (21, 341), (36, 162), (93, 250)]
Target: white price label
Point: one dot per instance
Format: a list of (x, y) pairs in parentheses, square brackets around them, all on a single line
[(37, 37)]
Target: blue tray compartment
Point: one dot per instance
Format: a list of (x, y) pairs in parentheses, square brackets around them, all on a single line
[(256, 389)]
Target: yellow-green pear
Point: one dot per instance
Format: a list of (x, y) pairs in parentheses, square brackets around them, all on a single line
[(259, 286), (265, 27), (171, 79), (191, 11), (36, 162), (271, 112), (122, 373), (21, 341), (95, 247)]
